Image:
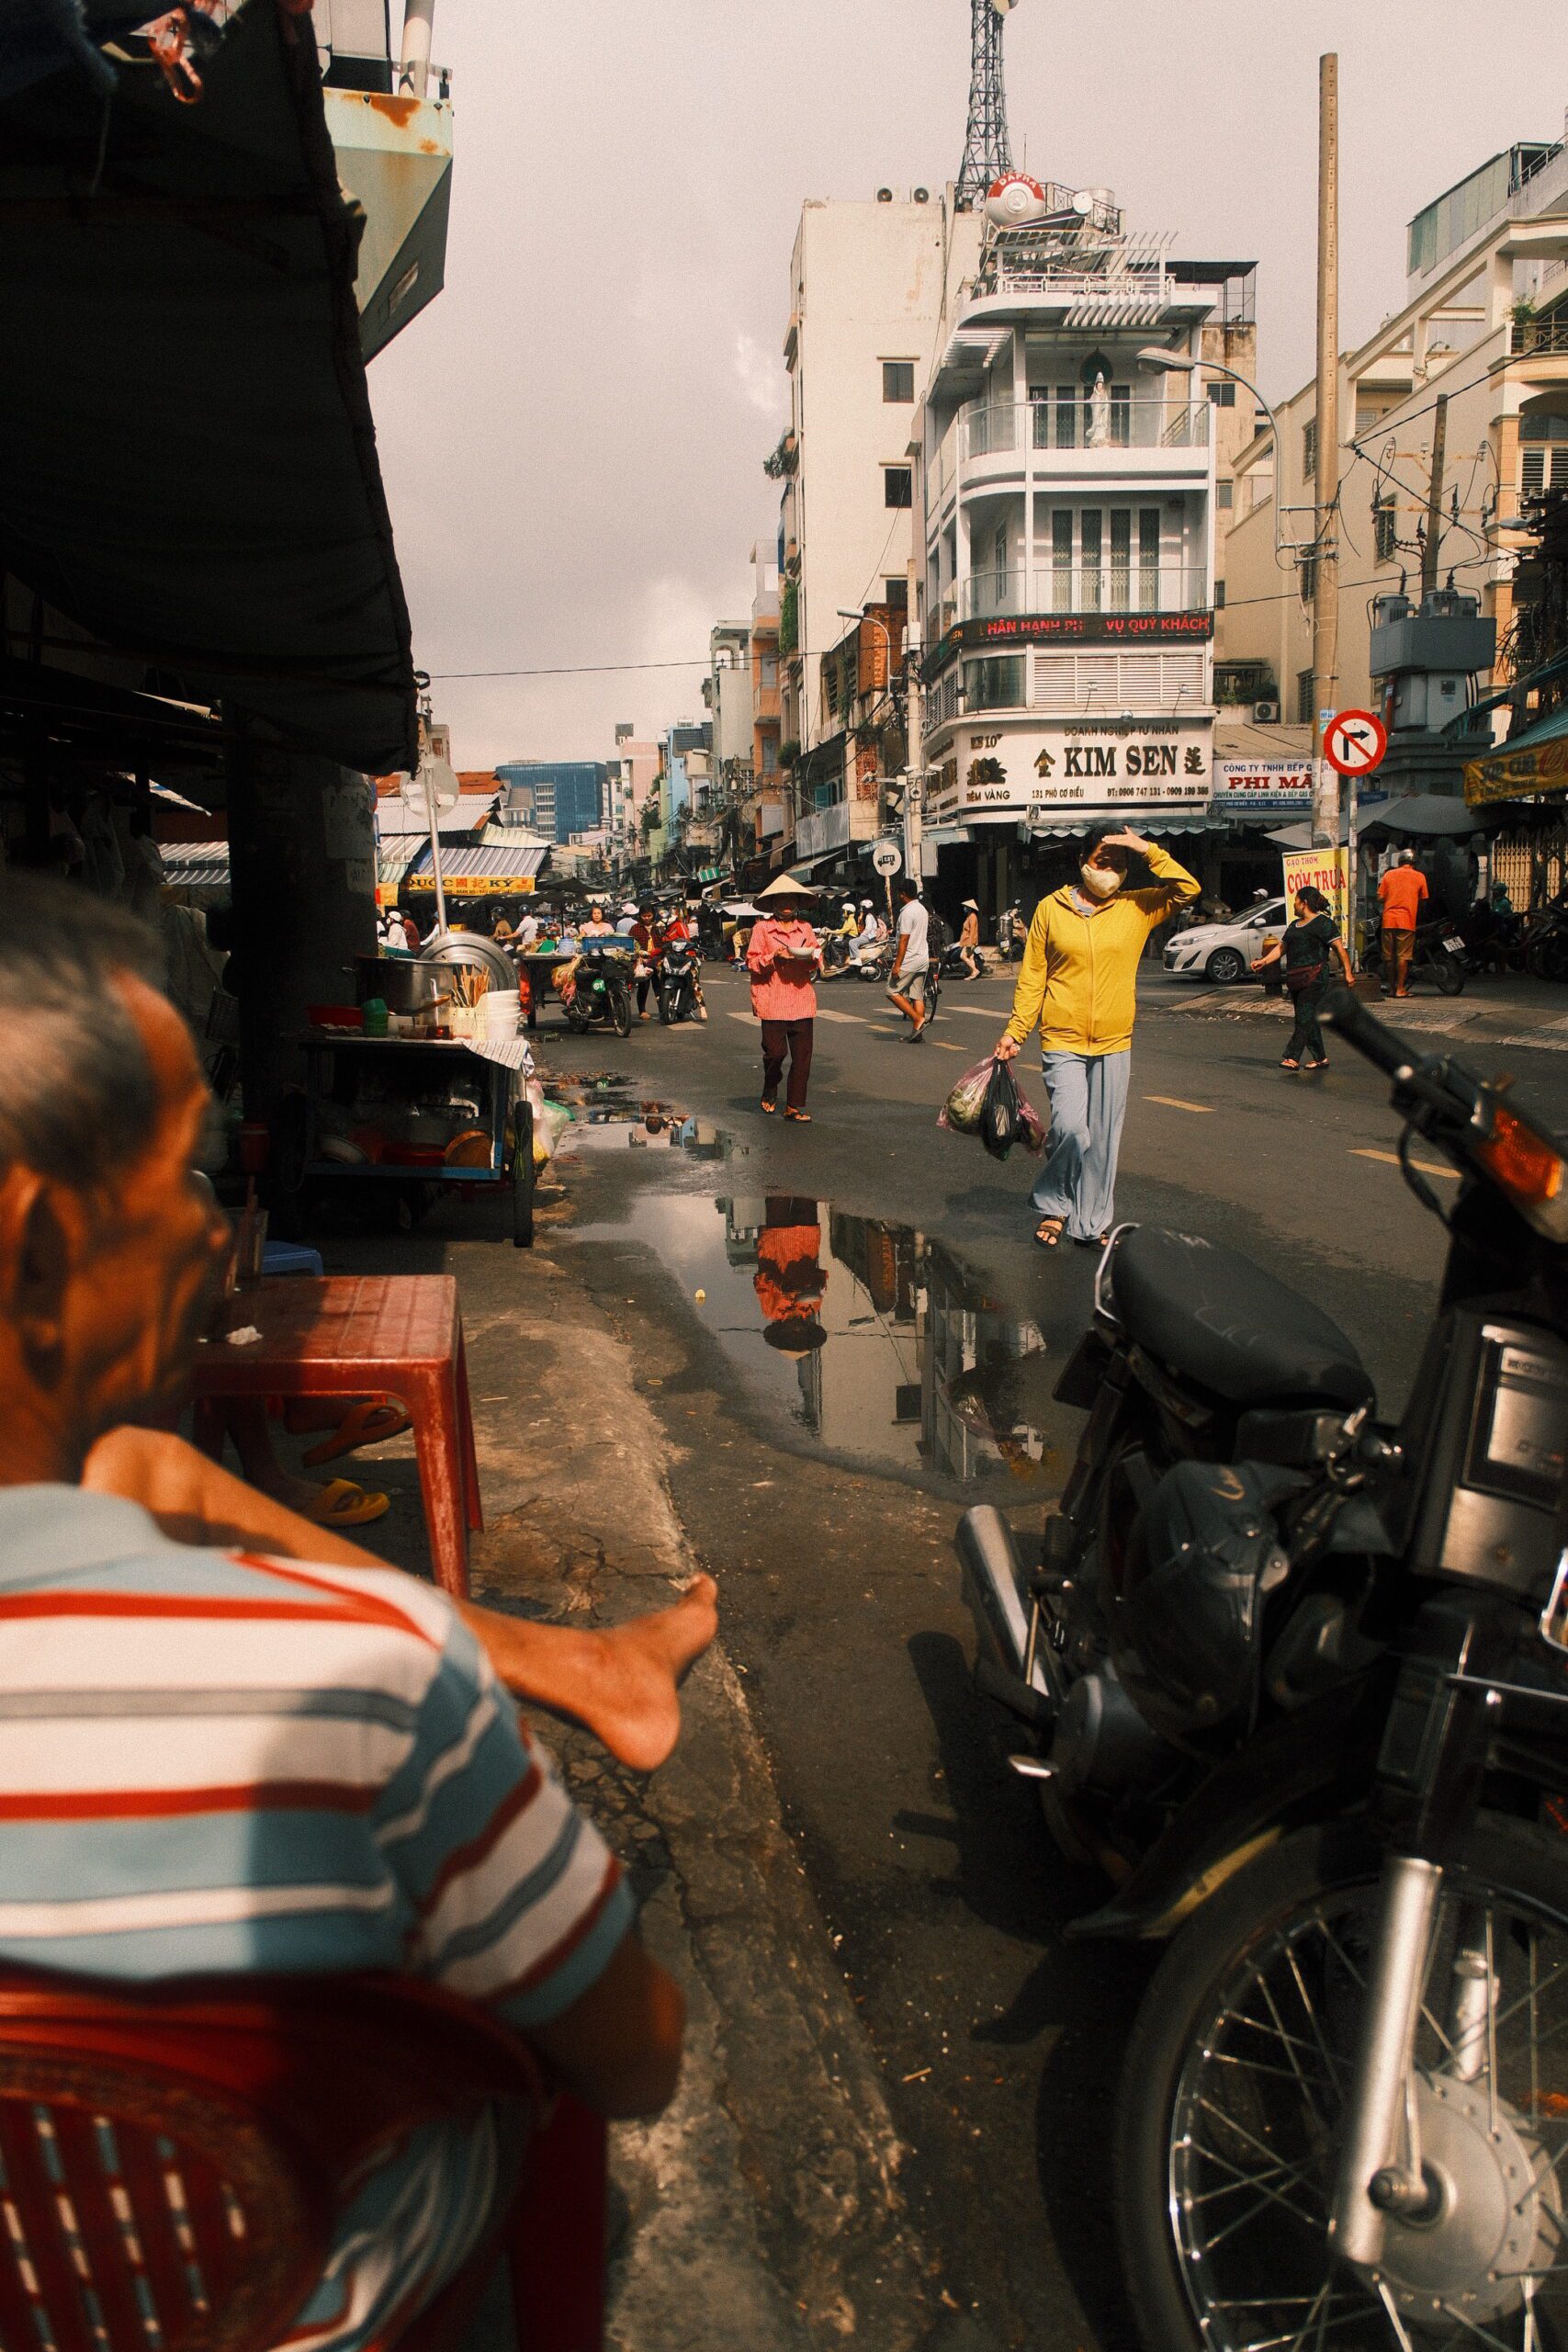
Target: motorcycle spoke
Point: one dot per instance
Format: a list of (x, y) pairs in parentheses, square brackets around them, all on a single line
[(1400, 2336), (1268, 2186)]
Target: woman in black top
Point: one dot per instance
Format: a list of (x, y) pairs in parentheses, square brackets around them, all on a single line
[(1309, 944)]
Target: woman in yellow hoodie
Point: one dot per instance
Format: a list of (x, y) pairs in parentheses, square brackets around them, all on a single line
[(1078, 982)]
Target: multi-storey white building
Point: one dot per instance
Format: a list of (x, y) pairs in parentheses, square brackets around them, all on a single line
[(872, 287), (1067, 528)]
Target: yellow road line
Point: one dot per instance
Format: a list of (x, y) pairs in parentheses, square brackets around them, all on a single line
[(1427, 1167), (1175, 1102)]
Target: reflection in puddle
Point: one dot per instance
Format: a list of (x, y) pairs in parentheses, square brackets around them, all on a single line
[(870, 1338), (597, 1125)]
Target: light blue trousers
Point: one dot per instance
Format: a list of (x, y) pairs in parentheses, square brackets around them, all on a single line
[(1089, 1102)]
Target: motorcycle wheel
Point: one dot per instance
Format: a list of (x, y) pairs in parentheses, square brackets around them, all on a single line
[(1447, 975), (621, 1010), (666, 1005), (578, 1016), (1232, 2098)]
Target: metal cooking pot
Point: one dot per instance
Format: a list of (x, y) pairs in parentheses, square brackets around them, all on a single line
[(403, 984), (467, 951)]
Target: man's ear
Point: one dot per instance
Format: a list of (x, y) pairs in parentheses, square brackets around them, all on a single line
[(39, 1248)]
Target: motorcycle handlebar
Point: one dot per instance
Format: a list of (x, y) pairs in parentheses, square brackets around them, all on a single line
[(1372, 1037)]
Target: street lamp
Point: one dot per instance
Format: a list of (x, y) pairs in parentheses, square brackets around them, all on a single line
[(1177, 362)]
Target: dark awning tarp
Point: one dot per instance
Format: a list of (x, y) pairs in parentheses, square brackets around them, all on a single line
[(187, 458), (1431, 815)]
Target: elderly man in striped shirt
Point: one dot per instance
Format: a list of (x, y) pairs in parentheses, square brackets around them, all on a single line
[(228, 1741)]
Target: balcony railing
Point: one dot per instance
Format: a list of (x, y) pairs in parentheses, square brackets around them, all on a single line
[(1089, 424), (1085, 588), (1540, 338)]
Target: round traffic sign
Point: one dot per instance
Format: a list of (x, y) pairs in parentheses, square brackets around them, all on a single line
[(1354, 741), (887, 857)]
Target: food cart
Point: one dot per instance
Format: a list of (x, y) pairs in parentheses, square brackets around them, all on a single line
[(418, 1107)]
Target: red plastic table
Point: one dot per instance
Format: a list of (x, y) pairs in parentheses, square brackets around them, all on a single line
[(355, 1336)]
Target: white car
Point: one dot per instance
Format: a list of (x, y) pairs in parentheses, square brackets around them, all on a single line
[(1225, 951)]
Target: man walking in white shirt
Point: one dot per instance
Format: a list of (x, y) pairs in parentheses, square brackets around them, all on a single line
[(911, 960)]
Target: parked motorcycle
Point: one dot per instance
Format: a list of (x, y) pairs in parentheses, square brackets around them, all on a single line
[(1013, 934), (676, 981), (952, 965), (1296, 1677), (601, 993), (1439, 955)]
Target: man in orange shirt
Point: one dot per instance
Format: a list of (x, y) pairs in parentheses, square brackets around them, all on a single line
[(1400, 894)]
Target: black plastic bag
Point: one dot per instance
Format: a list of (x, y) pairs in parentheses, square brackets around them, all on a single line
[(1002, 1119)]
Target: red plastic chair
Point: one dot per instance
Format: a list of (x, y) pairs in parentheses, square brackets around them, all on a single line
[(173, 2161)]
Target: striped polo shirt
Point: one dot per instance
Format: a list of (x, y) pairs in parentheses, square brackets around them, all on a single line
[(212, 1762)]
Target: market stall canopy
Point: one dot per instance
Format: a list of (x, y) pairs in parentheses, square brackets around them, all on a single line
[(189, 464), (1536, 760), (479, 869)]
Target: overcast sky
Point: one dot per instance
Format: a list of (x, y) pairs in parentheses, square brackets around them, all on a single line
[(572, 434)]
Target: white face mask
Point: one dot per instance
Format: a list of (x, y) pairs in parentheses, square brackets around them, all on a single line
[(1101, 881)]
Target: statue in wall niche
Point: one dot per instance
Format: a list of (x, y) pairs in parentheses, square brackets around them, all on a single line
[(1100, 414)]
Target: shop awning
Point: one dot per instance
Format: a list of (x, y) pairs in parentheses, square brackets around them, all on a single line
[(1536, 760), (1139, 823), (188, 456), (478, 869)]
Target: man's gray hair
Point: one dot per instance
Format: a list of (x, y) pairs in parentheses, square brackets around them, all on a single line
[(78, 1097)]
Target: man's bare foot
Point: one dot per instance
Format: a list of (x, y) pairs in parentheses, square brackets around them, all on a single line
[(636, 1709)]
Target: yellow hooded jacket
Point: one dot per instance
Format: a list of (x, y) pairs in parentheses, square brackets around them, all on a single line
[(1080, 972)]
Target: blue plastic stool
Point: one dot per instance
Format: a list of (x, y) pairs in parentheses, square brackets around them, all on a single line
[(291, 1257)]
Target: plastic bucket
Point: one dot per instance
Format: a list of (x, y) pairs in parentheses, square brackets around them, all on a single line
[(502, 1010)]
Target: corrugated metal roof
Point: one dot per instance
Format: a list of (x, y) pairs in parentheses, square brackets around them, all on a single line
[(190, 864), (478, 862), (398, 816)]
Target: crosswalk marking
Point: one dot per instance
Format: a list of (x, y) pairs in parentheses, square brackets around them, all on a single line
[(1391, 1160), (1175, 1102)]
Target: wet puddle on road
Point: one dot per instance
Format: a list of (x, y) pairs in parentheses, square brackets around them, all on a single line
[(869, 1340)]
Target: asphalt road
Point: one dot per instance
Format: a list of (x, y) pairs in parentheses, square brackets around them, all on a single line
[(828, 1515)]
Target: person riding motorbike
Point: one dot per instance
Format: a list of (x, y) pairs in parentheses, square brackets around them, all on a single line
[(873, 932)]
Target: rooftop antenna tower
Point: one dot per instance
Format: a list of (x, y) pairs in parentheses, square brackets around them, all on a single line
[(988, 152)]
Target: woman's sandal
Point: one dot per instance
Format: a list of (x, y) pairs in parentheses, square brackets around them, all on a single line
[(371, 1421), (769, 1107), (801, 1118), (1289, 1065), (1048, 1233), (342, 1504)]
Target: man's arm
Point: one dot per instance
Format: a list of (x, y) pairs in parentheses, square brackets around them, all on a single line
[(618, 2048), (1028, 994), (621, 1682)]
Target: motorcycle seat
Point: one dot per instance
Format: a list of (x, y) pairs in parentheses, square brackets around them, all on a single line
[(1210, 1314)]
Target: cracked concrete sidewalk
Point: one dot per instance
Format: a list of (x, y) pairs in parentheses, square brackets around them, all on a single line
[(763, 2208)]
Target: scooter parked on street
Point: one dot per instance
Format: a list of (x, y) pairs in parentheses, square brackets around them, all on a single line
[(1295, 1677), (1013, 934)]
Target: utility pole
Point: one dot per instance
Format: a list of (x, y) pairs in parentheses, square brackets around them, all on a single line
[(1326, 562), (1433, 547)]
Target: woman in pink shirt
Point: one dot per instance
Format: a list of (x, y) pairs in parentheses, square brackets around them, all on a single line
[(784, 958)]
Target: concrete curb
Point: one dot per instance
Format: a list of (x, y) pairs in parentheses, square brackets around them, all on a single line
[(763, 2209), (1446, 1016)]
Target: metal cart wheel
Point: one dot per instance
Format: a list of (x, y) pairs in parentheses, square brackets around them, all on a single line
[(523, 1174)]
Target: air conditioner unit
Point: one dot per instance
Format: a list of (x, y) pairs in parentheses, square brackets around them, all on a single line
[(1266, 714)]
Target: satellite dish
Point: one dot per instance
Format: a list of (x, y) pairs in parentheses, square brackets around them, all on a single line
[(1001, 6), (1083, 203)]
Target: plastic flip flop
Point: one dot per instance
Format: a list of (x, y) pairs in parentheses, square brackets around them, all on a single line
[(342, 1504), (371, 1422)]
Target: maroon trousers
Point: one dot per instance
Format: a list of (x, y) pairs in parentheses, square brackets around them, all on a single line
[(795, 1036)]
